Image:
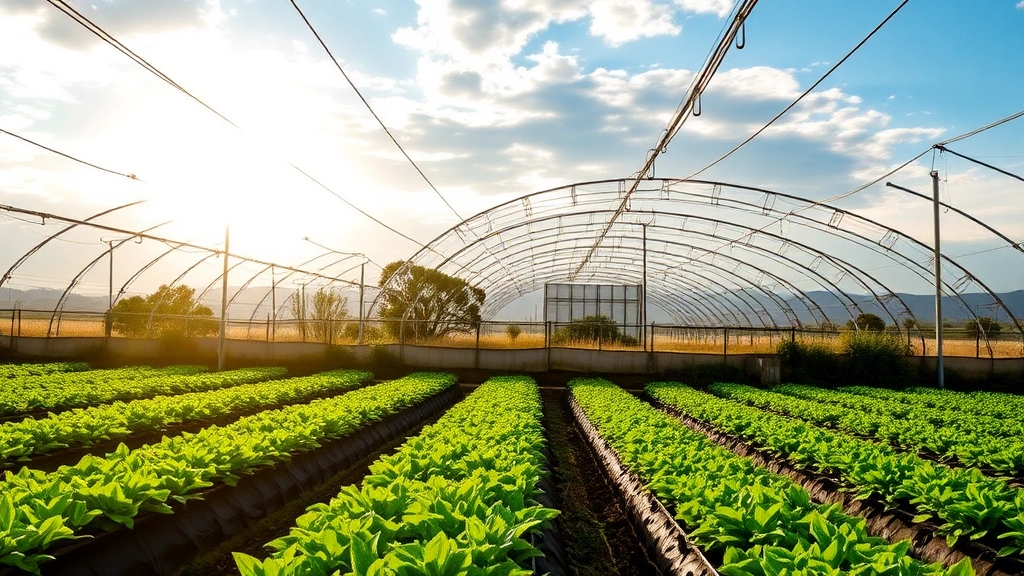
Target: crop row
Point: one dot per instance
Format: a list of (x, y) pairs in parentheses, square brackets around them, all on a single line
[(26, 370), (61, 390), (87, 426), (1009, 407), (457, 499), (973, 439), (968, 503), (37, 509), (761, 522)]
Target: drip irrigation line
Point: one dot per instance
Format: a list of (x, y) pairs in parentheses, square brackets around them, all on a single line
[(372, 112), (805, 93), (68, 156), (109, 39)]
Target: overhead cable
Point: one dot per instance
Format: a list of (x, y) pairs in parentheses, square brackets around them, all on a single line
[(68, 156), (106, 37), (374, 114), (697, 87), (979, 162), (805, 93)]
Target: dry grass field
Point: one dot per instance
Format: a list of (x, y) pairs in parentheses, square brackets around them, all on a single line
[(698, 341)]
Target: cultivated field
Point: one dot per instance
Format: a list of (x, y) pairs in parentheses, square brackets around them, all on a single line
[(183, 471)]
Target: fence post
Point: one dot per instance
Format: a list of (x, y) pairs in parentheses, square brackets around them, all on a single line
[(792, 334), (977, 345), (478, 335), (652, 336), (19, 322), (725, 341), (268, 327)]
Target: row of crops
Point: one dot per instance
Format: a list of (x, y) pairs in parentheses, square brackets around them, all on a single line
[(462, 496)]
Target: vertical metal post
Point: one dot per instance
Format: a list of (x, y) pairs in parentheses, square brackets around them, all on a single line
[(268, 327), (725, 341), (362, 285), (108, 320), (273, 304), (221, 349), (643, 293), (940, 369)]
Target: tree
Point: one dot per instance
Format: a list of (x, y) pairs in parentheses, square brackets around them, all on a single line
[(328, 312), (432, 303), (974, 329), (168, 311), (867, 321), (319, 318)]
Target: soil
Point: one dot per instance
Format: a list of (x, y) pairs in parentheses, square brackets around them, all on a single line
[(596, 534)]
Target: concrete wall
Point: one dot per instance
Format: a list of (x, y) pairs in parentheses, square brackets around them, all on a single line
[(204, 350)]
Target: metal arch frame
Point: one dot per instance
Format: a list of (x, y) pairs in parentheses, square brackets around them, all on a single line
[(658, 300), (58, 310), (10, 271), (871, 244), (783, 306), (140, 272), (832, 260), (702, 307), (275, 282), (487, 217), (841, 265), (555, 251)]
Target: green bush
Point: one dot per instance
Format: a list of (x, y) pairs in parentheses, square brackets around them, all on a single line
[(592, 329), (876, 358), (869, 358)]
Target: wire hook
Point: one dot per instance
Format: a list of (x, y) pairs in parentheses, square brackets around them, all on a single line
[(698, 108), (741, 42)]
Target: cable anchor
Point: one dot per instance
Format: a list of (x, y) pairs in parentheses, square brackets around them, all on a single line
[(741, 42)]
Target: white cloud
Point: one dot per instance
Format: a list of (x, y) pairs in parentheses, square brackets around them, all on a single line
[(717, 7), (621, 21), (1020, 5)]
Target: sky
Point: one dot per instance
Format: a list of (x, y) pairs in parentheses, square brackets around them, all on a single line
[(492, 100)]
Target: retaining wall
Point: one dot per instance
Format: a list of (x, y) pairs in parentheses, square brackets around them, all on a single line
[(204, 350)]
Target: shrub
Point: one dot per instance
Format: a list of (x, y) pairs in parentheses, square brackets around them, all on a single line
[(870, 358), (513, 331)]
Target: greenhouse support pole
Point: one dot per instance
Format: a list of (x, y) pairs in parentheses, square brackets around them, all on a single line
[(643, 293), (362, 271), (939, 368), (221, 349)]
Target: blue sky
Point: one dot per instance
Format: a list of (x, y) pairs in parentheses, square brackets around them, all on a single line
[(494, 101)]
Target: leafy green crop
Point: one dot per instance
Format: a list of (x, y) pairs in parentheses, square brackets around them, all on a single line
[(455, 500), (967, 503), (972, 438), (26, 370), (59, 390), (87, 426), (107, 493), (763, 523)]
